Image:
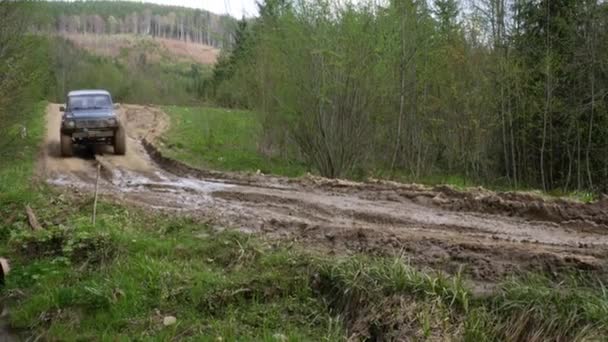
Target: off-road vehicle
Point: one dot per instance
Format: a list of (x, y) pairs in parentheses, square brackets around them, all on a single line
[(89, 118)]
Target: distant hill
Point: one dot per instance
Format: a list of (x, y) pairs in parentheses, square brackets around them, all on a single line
[(124, 17), (155, 49)]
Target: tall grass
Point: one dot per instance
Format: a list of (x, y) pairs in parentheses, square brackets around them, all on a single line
[(18, 149), (223, 139), (535, 308), (361, 277)]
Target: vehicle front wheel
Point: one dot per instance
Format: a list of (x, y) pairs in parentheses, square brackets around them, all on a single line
[(66, 145), (120, 141)]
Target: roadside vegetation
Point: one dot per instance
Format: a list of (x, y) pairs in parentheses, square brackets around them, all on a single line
[(234, 140), (223, 139), (509, 93)]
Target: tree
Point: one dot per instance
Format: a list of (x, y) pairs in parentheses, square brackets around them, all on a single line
[(447, 12), (22, 75), (507, 91)]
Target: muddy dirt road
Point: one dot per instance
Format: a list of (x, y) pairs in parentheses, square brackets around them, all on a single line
[(490, 234)]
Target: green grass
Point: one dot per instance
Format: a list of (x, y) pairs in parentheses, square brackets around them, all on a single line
[(576, 308), (227, 139), (17, 154), (121, 278), (221, 139)]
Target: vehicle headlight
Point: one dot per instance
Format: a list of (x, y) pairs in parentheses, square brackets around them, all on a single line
[(70, 123), (112, 122)]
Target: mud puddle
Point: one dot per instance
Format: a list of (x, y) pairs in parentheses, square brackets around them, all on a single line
[(491, 235)]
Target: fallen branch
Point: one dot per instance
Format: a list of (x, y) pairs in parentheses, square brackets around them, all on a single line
[(31, 218), (96, 190), (4, 269)]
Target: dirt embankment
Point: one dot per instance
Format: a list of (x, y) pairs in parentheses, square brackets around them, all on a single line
[(490, 234)]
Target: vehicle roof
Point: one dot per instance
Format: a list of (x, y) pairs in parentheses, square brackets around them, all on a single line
[(88, 92)]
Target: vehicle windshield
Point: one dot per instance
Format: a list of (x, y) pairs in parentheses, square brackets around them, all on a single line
[(82, 102)]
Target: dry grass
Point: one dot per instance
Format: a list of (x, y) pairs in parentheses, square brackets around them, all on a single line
[(155, 48), (200, 53)]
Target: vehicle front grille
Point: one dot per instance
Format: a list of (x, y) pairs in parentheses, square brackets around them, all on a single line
[(91, 123)]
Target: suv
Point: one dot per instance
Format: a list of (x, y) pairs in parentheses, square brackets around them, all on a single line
[(89, 119)]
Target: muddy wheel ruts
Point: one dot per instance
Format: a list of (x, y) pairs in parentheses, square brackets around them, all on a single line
[(66, 145), (119, 141)]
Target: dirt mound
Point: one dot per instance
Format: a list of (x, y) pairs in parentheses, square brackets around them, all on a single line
[(491, 235), (530, 206)]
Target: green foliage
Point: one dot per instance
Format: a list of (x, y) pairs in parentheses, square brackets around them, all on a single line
[(226, 65), (222, 139), (499, 94), (17, 154), (23, 77), (222, 284), (447, 12), (129, 77)]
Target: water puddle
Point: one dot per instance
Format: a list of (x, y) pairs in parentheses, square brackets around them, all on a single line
[(129, 181)]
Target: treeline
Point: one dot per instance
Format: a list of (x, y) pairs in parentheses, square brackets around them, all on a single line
[(113, 17), (36, 67), (501, 91)]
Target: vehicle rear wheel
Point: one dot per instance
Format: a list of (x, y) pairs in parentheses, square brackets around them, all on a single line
[(66, 145), (120, 141)]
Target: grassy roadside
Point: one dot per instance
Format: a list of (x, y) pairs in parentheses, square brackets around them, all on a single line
[(122, 278), (17, 154), (221, 139), (228, 139)]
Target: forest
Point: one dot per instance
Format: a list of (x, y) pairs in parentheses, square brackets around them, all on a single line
[(504, 92), (114, 17)]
